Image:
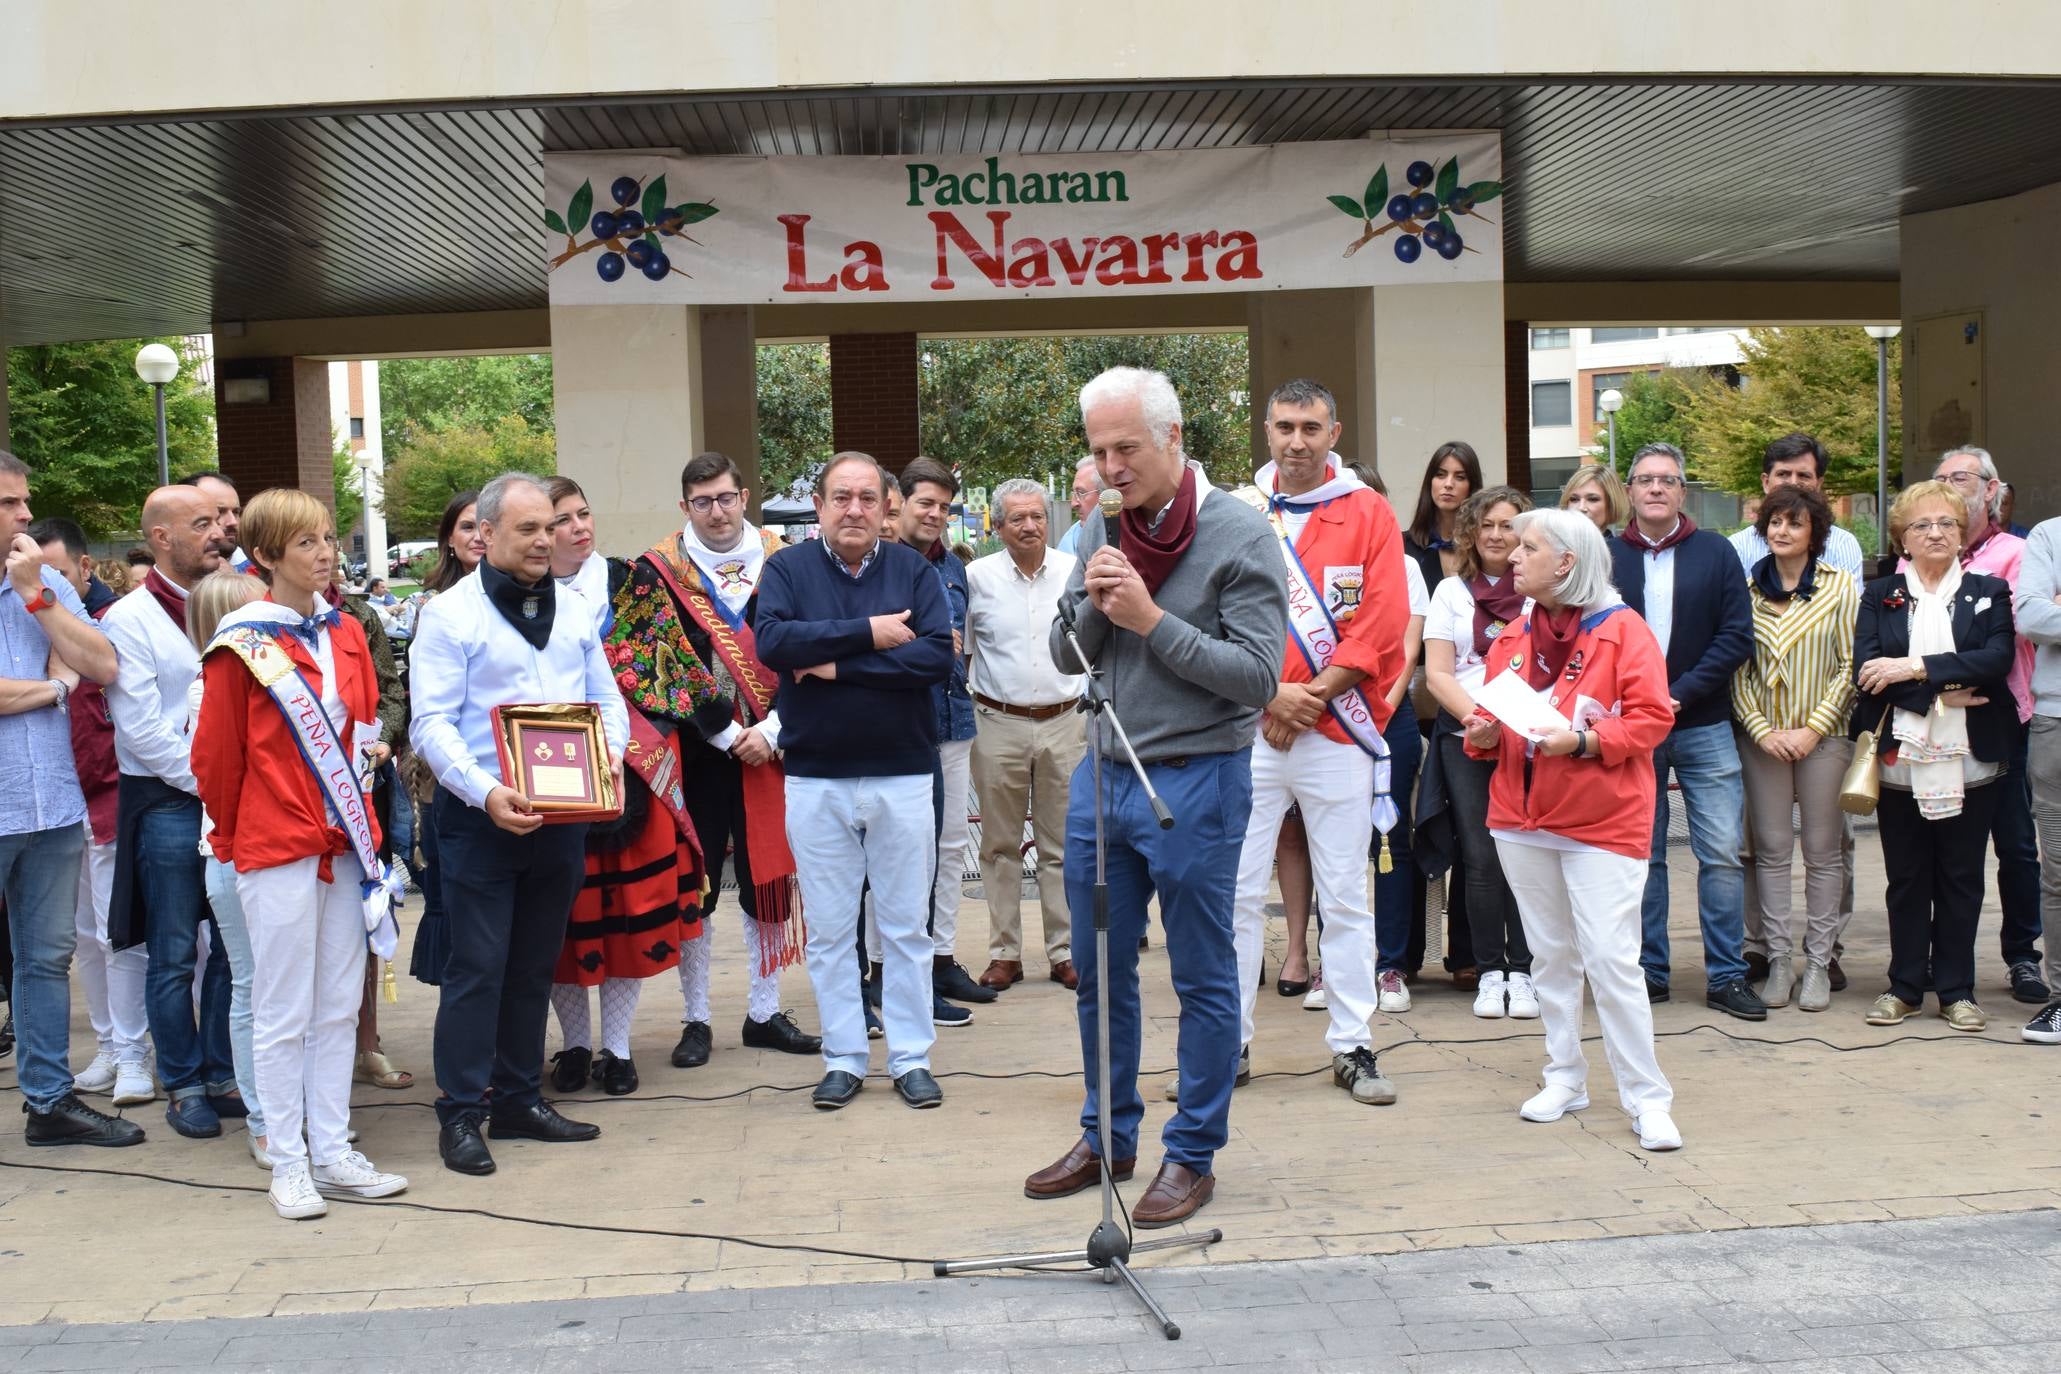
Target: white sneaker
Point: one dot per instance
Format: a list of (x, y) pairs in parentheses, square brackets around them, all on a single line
[(293, 1193), (1656, 1131), (1488, 996), (133, 1085), (354, 1176), (1314, 999), (97, 1077), (257, 1151), (1395, 993), (1553, 1102), (1524, 998)]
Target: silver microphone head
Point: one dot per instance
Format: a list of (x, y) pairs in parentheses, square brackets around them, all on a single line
[(1112, 503)]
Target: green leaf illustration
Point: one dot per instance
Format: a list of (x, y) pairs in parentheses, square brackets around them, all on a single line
[(552, 221), (651, 237), (655, 199), (1446, 222), (1347, 206), (1483, 191), (693, 212), (1448, 178), (582, 206), (1377, 193)]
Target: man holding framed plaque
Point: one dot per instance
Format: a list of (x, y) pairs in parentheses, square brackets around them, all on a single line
[(493, 670)]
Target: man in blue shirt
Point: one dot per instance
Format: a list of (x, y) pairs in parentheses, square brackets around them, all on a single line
[(1087, 490), (47, 643)]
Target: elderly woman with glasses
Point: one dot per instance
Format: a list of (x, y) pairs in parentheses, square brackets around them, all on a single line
[(1935, 646), (1571, 806)]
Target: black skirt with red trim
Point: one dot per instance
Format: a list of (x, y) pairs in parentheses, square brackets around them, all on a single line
[(641, 900)]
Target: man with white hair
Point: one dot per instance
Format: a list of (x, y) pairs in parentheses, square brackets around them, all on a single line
[(1030, 737), (1087, 489), (1181, 605)]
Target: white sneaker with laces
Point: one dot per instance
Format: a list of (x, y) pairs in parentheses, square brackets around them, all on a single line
[(1489, 995), (97, 1077), (354, 1176), (1314, 999), (1395, 993), (293, 1193), (1553, 1102), (1656, 1131), (133, 1085), (1524, 998)]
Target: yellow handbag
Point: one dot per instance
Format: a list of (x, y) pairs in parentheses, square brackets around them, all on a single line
[(1861, 788)]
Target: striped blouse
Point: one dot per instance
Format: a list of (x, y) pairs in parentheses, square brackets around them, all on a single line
[(1801, 672)]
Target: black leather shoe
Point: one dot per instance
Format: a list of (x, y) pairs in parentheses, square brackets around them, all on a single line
[(919, 1089), (229, 1105), (1657, 992), (1756, 968), (1737, 999), (463, 1151), (836, 1089), (778, 1032), (618, 1076), (947, 979), (7, 1034), (570, 1068), (1837, 974), (72, 1122), (692, 1051), (539, 1121)]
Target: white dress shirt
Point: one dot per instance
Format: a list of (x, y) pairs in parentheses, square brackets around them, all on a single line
[(1008, 617), (155, 664), (467, 659), (732, 575), (589, 582)]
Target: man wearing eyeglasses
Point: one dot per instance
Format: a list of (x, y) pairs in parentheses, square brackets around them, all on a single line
[(1685, 583)]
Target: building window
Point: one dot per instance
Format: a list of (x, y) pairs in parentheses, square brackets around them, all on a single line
[(357, 426), (1608, 336), (1552, 403), (1601, 382), (1549, 338)]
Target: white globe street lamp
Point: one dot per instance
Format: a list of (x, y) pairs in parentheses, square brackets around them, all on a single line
[(158, 365), (1882, 334), (1610, 402)]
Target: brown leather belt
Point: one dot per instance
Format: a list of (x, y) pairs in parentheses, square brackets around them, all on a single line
[(1027, 712)]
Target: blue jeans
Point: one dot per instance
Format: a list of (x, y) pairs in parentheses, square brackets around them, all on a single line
[(190, 1058), (1395, 891), (1194, 870), (40, 870), (235, 935), (1706, 763)]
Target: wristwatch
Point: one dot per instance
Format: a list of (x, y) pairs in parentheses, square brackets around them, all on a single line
[(64, 691), (43, 600)]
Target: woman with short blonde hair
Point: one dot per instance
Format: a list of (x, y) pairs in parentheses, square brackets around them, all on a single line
[(1594, 491)]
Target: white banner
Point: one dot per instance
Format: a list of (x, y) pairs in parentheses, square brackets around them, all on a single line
[(626, 229)]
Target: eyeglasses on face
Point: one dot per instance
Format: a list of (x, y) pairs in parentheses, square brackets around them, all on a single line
[(727, 500), (1946, 526), (1656, 479), (1965, 478)]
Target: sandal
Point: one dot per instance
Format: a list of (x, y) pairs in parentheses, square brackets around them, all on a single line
[(376, 1069)]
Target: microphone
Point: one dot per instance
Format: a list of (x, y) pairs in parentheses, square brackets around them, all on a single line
[(1112, 503)]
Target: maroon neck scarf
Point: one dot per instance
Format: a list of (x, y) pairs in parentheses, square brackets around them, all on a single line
[(1495, 605), (1553, 634), (1155, 554), (936, 552), (167, 596), (1636, 537)]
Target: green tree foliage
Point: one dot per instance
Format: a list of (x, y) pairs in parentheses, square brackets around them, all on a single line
[(88, 427), (350, 490), (429, 394), (1654, 411), (1818, 380), (436, 464), (794, 413)]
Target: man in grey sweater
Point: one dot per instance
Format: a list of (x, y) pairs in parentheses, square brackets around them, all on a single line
[(1181, 609), (2036, 610)]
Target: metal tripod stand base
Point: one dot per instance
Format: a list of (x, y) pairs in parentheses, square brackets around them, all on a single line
[(1108, 1252)]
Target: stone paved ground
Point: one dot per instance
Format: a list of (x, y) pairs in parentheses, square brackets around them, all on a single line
[(1962, 1295)]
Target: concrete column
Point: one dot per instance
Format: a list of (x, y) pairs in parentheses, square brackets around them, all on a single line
[(1438, 374), (627, 382), (873, 396), (283, 440), (730, 390), (1326, 336)]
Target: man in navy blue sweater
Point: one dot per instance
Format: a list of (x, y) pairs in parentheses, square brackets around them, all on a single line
[(1686, 584), (860, 633)]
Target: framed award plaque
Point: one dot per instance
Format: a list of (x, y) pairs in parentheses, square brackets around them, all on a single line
[(556, 756)]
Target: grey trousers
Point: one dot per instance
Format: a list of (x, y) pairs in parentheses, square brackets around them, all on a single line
[(1812, 785), (2044, 768)]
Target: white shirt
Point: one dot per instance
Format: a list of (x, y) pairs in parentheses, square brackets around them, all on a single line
[(1008, 619), (1842, 551), (1660, 594), (589, 583), (1413, 578), (155, 664), (1451, 618), (467, 659), (733, 575)]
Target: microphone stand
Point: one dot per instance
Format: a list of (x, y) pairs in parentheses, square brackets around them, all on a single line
[(1110, 1245)]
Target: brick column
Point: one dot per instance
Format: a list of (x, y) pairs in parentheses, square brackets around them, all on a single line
[(284, 441), (873, 396), (1517, 402)]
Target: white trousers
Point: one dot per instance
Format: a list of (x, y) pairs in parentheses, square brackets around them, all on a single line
[(112, 979), (1581, 918), (1334, 785), (955, 757), (849, 831), (307, 946)]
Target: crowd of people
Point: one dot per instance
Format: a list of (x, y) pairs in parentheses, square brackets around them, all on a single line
[(213, 782)]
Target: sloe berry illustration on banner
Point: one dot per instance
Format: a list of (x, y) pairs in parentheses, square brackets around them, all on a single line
[(1000, 225)]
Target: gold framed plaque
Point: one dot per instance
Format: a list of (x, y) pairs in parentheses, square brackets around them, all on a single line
[(556, 755)]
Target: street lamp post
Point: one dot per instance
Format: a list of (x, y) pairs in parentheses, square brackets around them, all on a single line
[(365, 522), (158, 365), (1882, 334), (1610, 402)]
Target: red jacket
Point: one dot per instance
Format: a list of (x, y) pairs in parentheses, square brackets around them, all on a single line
[(1606, 802), (1353, 552), (249, 766)]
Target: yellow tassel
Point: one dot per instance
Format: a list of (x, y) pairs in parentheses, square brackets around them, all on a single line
[(387, 983), (1387, 864)]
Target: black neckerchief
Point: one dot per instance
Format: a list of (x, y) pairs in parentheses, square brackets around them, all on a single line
[(528, 609), (1769, 581)]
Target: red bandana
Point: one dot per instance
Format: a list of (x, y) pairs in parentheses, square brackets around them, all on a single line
[(1636, 538), (1155, 554), (1553, 634), (167, 596)]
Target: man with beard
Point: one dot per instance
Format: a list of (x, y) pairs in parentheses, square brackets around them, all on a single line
[(228, 514)]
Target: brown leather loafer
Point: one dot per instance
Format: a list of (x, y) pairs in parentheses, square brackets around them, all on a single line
[(1063, 974), (1000, 973), (1076, 1170), (1177, 1193)]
